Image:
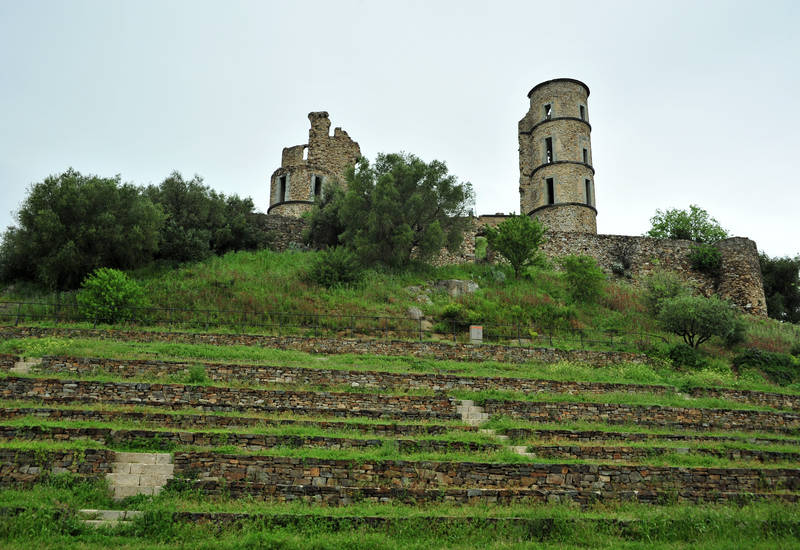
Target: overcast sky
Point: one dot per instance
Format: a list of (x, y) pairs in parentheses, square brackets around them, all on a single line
[(691, 102)]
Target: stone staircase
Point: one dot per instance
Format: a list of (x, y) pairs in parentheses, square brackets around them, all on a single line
[(139, 473), (107, 518), (470, 413)]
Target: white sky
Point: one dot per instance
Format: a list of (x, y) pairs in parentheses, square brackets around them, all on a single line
[(691, 102)]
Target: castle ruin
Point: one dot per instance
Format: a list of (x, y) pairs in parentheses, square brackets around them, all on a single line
[(556, 186), (306, 168)]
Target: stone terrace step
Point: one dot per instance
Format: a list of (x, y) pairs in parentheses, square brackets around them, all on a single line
[(198, 421), (226, 398), (645, 454), (139, 473), (648, 415), (262, 374), (342, 496), (167, 439), (430, 474), (548, 434)]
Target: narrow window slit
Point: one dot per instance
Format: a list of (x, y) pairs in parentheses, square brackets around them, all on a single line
[(548, 145), (548, 111), (551, 192)]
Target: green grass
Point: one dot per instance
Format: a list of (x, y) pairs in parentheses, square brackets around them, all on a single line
[(51, 522)]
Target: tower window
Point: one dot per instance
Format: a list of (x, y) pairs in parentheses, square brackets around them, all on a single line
[(551, 191), (317, 186), (586, 156), (282, 190), (588, 184), (548, 147), (548, 111), (583, 112)]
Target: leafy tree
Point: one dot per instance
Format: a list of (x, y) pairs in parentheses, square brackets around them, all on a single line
[(200, 222), (696, 319), (71, 224), (324, 220), (402, 207), (694, 225), (517, 239), (782, 287), (584, 278), (109, 296)]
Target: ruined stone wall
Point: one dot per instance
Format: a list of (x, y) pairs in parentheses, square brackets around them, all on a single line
[(25, 467), (327, 157)]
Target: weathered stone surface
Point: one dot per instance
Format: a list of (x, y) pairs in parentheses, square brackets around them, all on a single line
[(457, 287)]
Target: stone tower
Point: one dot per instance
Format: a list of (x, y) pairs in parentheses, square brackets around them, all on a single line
[(556, 178), (306, 168)]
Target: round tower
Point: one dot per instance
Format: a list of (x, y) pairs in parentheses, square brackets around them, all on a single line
[(556, 181)]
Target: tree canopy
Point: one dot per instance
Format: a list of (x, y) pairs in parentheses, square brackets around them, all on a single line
[(782, 287), (694, 225), (71, 224), (697, 319), (396, 209), (517, 239)]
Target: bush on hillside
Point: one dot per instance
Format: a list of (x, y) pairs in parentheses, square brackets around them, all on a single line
[(663, 285), (683, 355), (335, 266), (109, 296), (697, 319), (780, 368), (585, 279), (782, 287), (694, 224)]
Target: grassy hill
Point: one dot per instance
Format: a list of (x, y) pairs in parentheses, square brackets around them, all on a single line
[(108, 439)]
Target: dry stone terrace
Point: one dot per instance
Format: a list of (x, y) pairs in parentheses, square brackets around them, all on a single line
[(263, 375), (278, 467)]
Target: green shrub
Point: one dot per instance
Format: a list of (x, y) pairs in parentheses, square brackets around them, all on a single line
[(109, 296), (335, 266), (683, 355), (458, 315), (196, 375), (780, 368), (705, 258), (660, 286), (795, 349), (737, 334), (481, 246), (584, 278)]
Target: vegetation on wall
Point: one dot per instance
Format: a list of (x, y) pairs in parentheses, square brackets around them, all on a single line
[(694, 225)]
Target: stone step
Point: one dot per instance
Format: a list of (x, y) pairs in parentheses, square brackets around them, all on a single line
[(145, 458), (142, 468), (109, 515)]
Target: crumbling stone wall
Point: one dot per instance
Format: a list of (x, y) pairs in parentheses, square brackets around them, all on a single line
[(327, 157)]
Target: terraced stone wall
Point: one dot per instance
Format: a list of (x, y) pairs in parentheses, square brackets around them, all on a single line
[(673, 417), (375, 379), (7, 361), (333, 346), (226, 399), (24, 467), (430, 475)]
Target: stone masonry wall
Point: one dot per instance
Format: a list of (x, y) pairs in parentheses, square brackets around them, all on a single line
[(740, 280), (208, 421), (24, 467), (434, 475), (434, 350), (227, 399), (648, 415), (262, 374), (250, 441)]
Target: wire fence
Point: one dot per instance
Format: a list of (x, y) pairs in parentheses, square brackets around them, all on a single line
[(304, 325)]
